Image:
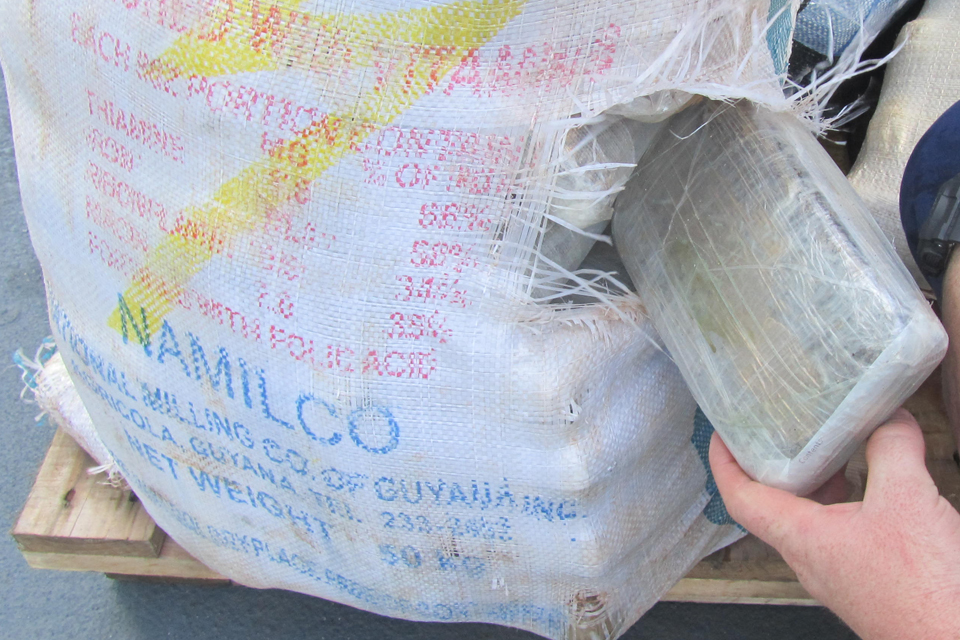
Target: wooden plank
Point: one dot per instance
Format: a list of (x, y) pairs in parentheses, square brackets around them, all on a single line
[(740, 592), (723, 565), (69, 511), (194, 582), (173, 561)]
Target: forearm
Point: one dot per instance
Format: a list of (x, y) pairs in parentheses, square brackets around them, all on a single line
[(918, 611)]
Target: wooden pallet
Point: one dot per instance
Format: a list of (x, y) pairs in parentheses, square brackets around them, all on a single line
[(76, 522)]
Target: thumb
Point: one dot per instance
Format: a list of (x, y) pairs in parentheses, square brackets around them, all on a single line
[(895, 460), (773, 515)]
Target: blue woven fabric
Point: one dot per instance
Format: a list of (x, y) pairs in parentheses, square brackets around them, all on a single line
[(715, 511), (844, 19), (780, 34)]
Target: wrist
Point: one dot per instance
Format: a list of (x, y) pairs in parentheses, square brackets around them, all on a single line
[(922, 615)]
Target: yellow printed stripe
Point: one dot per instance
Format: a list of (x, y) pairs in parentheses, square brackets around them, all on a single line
[(425, 45), (246, 36)]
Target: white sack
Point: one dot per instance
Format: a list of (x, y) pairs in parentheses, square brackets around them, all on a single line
[(288, 254), (58, 397), (921, 82)]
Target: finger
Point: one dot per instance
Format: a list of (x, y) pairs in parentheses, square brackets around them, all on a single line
[(780, 519), (896, 457)]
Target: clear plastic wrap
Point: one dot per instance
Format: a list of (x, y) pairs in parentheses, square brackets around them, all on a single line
[(789, 314), (653, 108), (595, 161)]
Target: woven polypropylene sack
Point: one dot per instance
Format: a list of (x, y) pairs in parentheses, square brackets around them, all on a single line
[(920, 84), (289, 251), (57, 396)]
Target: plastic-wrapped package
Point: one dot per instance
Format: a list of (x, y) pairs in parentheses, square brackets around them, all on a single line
[(653, 108), (566, 247), (788, 313), (595, 161)]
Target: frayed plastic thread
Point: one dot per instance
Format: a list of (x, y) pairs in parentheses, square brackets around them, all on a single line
[(811, 101), (114, 478), (712, 39), (550, 280), (584, 178), (31, 370), (680, 67)]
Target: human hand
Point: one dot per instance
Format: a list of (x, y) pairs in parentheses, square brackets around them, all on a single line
[(888, 566)]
